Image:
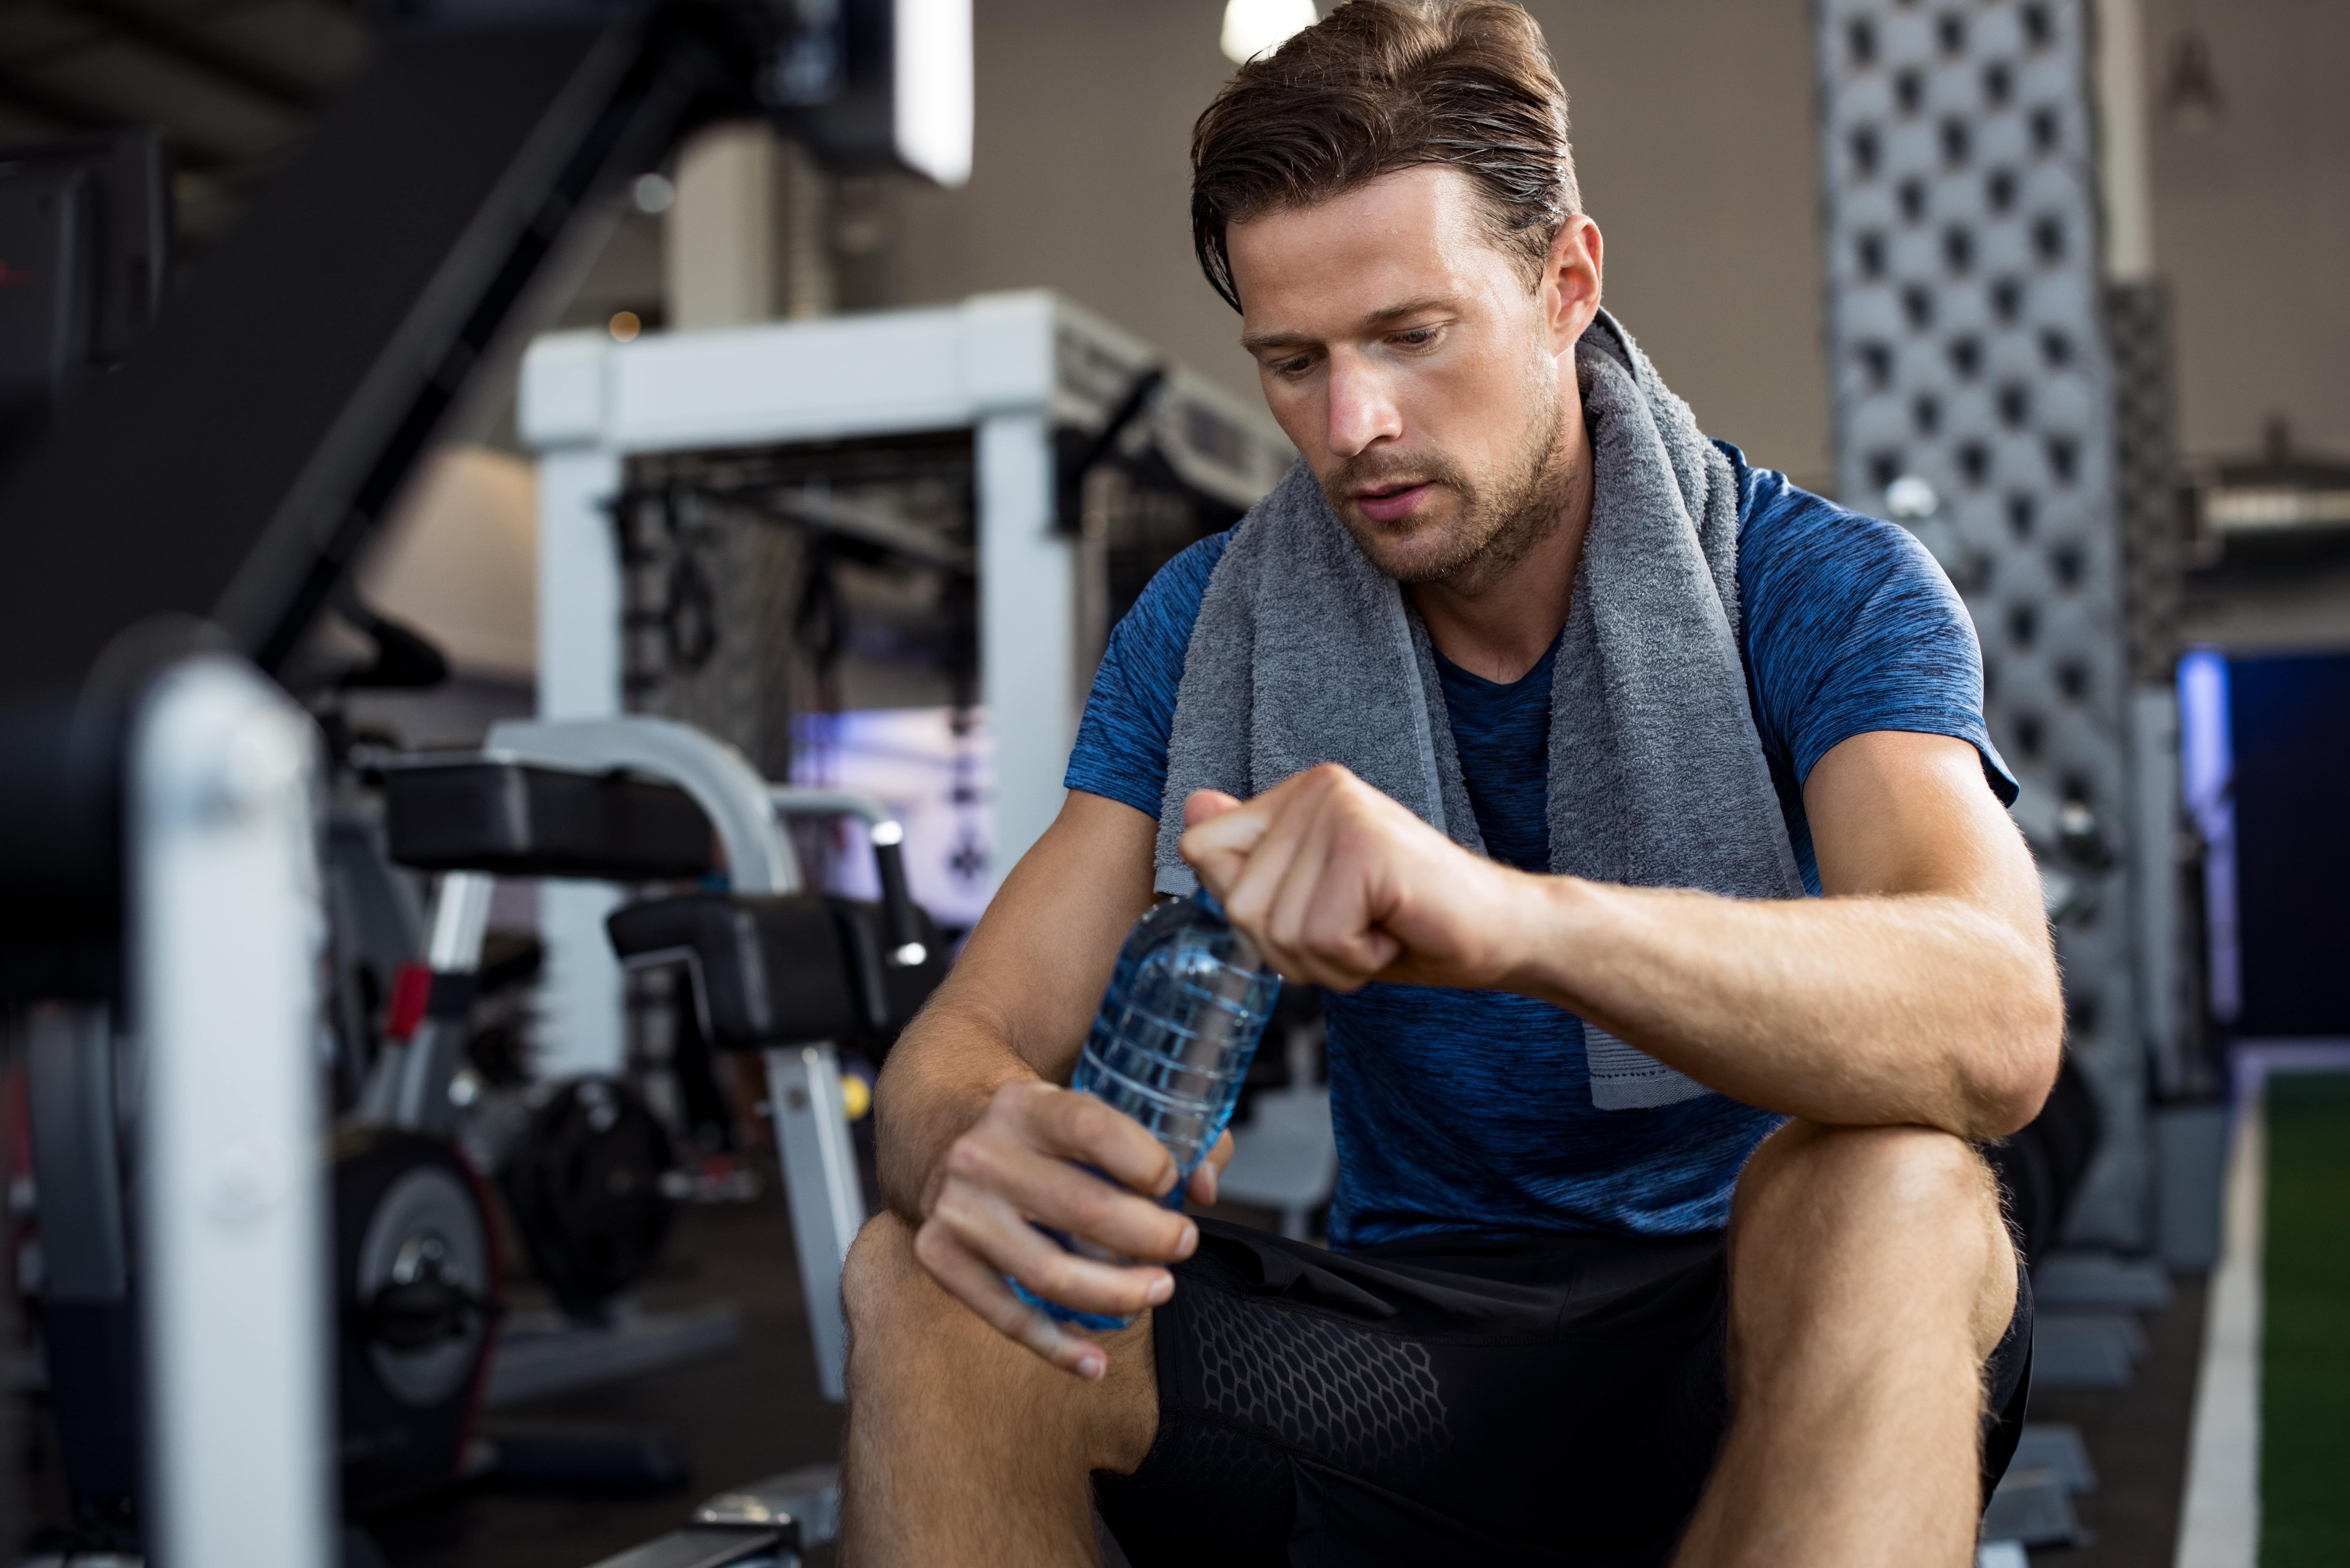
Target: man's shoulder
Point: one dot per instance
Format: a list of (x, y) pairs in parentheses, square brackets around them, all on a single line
[(1150, 639), (1785, 531), (1175, 591), (1850, 625), (1810, 568)]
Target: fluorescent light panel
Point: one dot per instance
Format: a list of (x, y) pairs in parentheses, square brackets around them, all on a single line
[(931, 103)]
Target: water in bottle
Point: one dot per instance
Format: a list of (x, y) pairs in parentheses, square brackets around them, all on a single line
[(1185, 1008)]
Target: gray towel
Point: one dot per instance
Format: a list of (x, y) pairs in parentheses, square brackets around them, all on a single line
[(1304, 653)]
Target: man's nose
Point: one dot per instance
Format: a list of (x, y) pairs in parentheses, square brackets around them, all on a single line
[(1362, 406)]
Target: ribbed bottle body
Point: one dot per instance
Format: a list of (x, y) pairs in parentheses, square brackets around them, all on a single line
[(1171, 1046)]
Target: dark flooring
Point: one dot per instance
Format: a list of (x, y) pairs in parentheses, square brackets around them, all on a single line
[(2136, 1437), (739, 1418), (756, 1411)]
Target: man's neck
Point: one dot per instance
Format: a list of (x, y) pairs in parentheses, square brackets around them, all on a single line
[(1499, 625)]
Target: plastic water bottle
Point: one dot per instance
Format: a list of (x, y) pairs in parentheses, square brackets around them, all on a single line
[(1185, 1008)]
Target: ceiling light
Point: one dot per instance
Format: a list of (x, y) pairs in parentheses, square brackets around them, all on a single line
[(932, 96)]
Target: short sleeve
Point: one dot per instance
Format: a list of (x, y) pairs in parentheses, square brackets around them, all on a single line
[(1850, 625), (1121, 748)]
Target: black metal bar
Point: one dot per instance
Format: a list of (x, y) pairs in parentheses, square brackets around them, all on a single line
[(897, 900), (189, 46), (1121, 419), (233, 468)]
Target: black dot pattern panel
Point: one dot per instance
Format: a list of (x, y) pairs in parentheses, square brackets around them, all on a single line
[(1366, 1401), (1969, 334), (2137, 328)]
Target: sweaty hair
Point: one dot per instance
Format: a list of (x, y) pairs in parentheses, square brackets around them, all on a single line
[(1382, 85)]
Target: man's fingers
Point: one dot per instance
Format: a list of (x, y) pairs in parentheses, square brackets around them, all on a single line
[(1218, 850), (1208, 1175), (1313, 888), (994, 1230), (1281, 865), (1337, 922), (1080, 1127), (1058, 1193), (1221, 841), (1202, 805), (969, 1278), (1253, 879)]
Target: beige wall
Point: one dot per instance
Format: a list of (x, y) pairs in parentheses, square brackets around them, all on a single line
[(1694, 141), (1693, 136), (2253, 225)]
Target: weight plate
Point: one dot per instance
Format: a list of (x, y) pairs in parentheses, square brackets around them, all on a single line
[(426, 1227), (585, 1183)]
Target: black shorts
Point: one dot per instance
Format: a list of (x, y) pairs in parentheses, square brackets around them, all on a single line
[(1557, 1401)]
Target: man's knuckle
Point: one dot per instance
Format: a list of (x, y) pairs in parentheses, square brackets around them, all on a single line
[(1091, 1122), (1008, 1317), (1050, 1274), (933, 1246)]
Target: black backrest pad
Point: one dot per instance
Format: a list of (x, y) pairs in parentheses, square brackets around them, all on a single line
[(515, 820), (768, 970)]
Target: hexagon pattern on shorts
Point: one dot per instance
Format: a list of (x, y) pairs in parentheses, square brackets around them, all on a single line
[(1363, 1400)]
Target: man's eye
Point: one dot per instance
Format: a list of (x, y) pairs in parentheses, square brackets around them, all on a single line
[(1417, 338), (1297, 367)]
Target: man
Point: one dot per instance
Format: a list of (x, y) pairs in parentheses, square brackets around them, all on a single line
[(1530, 724)]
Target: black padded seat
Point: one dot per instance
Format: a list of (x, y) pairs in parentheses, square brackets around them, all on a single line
[(769, 971), (516, 819)]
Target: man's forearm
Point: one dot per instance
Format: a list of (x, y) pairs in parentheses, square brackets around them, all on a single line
[(1919, 1008), (935, 1086)]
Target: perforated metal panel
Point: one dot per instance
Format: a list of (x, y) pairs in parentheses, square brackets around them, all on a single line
[(2138, 334), (1966, 331)]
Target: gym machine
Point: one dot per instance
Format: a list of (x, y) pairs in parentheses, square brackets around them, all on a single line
[(1037, 459), (776, 970), (171, 538)]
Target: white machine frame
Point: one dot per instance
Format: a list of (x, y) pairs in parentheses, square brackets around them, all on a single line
[(223, 948), (1011, 368)]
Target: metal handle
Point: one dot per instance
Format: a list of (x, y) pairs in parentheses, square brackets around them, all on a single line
[(887, 836)]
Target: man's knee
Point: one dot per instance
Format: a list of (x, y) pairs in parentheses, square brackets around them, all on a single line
[(882, 1281), (914, 1347), (1900, 1204), (1806, 1174)]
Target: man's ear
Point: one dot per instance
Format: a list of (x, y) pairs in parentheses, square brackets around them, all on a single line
[(1571, 281)]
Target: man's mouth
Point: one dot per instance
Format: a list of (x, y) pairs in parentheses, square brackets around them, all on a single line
[(1392, 502)]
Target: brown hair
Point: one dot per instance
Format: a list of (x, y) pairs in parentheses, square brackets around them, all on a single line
[(1382, 85)]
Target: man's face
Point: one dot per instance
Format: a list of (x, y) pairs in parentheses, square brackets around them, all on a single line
[(1403, 353)]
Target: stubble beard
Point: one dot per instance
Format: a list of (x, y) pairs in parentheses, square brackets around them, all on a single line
[(1499, 521)]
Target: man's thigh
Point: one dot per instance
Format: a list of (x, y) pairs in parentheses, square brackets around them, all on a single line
[(1556, 1402)]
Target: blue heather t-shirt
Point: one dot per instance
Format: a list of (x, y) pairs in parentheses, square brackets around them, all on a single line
[(1469, 1112)]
